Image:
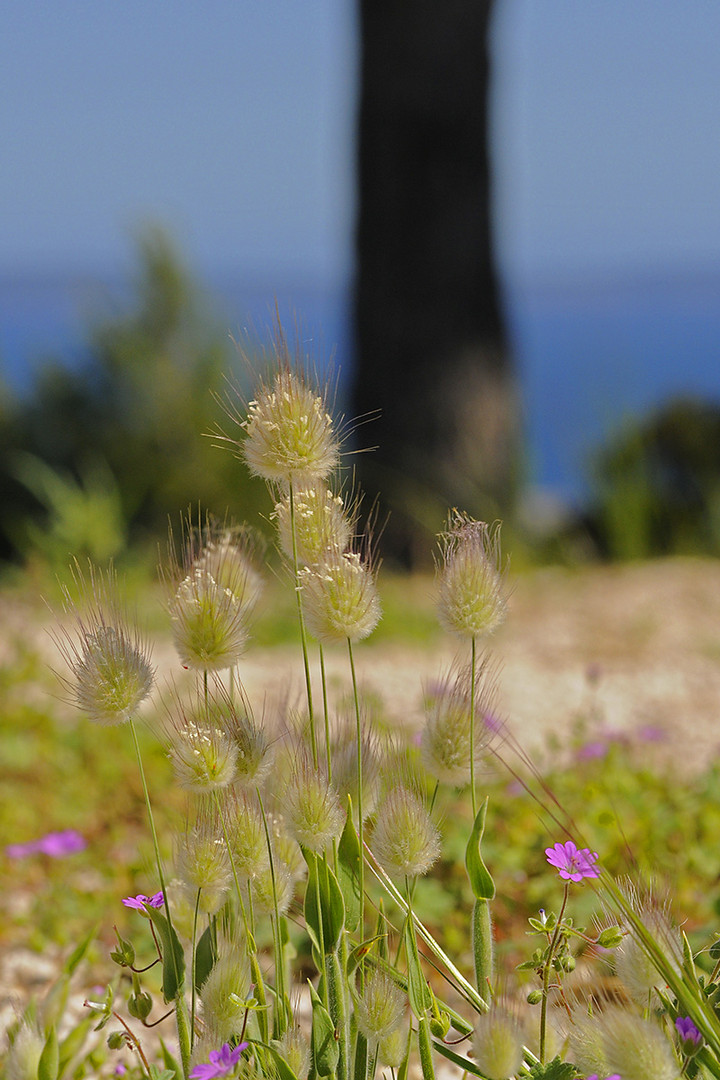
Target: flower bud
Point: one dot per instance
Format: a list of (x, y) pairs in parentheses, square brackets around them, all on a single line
[(140, 1005)]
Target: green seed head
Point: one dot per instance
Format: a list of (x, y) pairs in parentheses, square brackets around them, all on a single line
[(209, 623), (446, 736), (405, 841), (322, 527), (379, 1010), (311, 808), (289, 434), (498, 1044), (472, 601), (340, 599), (226, 990)]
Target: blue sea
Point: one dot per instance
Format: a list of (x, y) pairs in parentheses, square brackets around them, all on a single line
[(590, 353)]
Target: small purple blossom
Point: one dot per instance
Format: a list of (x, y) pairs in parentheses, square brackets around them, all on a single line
[(140, 901), (572, 864), (221, 1062), (690, 1037), (55, 844), (596, 748)]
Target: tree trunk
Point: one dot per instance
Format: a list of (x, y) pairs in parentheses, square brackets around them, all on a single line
[(430, 347)]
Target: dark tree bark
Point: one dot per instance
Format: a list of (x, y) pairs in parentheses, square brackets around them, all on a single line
[(430, 347)]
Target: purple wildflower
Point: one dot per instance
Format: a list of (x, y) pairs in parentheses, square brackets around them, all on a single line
[(55, 844), (571, 864), (221, 1062), (140, 901), (690, 1037), (596, 748)]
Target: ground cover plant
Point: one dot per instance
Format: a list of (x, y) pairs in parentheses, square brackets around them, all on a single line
[(338, 898)]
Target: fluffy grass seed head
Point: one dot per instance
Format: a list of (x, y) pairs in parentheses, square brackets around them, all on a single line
[(247, 835), (202, 863), (24, 1055), (472, 598), (393, 1049), (380, 1008), (340, 599), (405, 842), (322, 526), (294, 1049), (229, 554), (209, 623), (445, 745), (345, 770), (290, 437), (636, 971), (254, 747), (311, 807), (203, 754), (498, 1044), (636, 1048), (111, 673), (225, 991), (270, 886)]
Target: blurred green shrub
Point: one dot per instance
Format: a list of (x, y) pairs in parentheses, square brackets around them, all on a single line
[(657, 484), (120, 436)]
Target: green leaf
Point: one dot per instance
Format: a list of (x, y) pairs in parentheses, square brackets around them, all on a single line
[(284, 1070), (171, 1063), (79, 953), (457, 1059), (73, 1042), (322, 886), (418, 991), (553, 1070), (325, 1048), (204, 957), (173, 957), (481, 883), (49, 1063), (349, 860)]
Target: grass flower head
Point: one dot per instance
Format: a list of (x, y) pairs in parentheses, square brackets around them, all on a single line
[(498, 1044), (446, 739), (290, 437), (472, 594), (111, 672), (340, 599), (405, 841), (209, 623), (322, 525), (380, 1008)]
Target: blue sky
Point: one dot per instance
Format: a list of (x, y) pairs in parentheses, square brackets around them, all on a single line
[(232, 122)]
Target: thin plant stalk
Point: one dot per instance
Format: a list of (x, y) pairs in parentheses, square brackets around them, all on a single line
[(326, 711), (303, 631), (547, 968), (184, 1037), (473, 677), (281, 995), (358, 731), (193, 991)]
